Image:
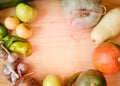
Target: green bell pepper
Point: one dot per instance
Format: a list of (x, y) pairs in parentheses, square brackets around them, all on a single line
[(9, 39), (21, 47)]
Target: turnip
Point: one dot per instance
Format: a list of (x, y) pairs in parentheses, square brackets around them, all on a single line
[(108, 27), (82, 14)]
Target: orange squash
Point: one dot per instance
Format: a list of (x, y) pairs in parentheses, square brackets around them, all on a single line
[(106, 58)]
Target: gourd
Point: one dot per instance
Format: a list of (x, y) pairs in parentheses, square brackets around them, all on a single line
[(108, 27), (82, 14)]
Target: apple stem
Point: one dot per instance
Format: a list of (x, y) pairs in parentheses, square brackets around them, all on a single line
[(93, 84)]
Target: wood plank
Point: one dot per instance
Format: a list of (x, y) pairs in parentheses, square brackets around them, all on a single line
[(54, 51)]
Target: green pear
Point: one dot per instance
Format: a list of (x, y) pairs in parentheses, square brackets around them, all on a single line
[(25, 12)]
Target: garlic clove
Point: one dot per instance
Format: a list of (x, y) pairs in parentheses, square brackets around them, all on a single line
[(6, 71), (11, 68), (12, 57), (13, 78), (3, 54)]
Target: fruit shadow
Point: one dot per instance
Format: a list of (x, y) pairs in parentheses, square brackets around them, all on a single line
[(30, 68), (41, 11)]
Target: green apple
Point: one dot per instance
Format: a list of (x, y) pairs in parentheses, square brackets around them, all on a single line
[(25, 12)]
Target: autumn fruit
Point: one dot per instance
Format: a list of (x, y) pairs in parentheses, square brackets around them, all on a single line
[(24, 30), (52, 80), (106, 58), (21, 47), (25, 12), (11, 22), (91, 77)]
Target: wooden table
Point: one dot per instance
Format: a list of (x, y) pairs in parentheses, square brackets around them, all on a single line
[(54, 51)]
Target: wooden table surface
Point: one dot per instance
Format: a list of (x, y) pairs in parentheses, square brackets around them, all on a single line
[(54, 51)]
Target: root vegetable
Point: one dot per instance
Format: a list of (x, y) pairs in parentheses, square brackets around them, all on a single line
[(108, 27), (13, 57), (13, 78), (22, 68), (11, 68)]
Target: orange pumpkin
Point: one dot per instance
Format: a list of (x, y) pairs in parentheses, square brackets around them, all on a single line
[(106, 58)]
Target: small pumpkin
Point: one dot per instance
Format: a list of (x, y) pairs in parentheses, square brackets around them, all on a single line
[(91, 77), (106, 58), (88, 77)]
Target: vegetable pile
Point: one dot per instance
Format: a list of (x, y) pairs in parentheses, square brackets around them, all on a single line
[(86, 14), (80, 14), (14, 45)]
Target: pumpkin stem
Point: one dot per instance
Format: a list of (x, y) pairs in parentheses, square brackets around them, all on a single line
[(93, 84), (119, 59)]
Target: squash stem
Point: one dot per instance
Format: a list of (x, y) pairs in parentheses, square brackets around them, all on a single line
[(72, 79), (93, 84)]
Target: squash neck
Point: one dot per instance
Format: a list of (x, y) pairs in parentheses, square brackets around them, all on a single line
[(93, 84)]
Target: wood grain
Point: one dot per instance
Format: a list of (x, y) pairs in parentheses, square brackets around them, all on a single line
[(54, 51)]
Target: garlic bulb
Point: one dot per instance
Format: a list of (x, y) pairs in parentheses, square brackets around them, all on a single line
[(12, 57), (3, 54), (13, 78), (22, 68), (6, 71)]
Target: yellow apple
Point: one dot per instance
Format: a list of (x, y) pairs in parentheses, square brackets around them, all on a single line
[(11, 22), (24, 30), (52, 80)]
